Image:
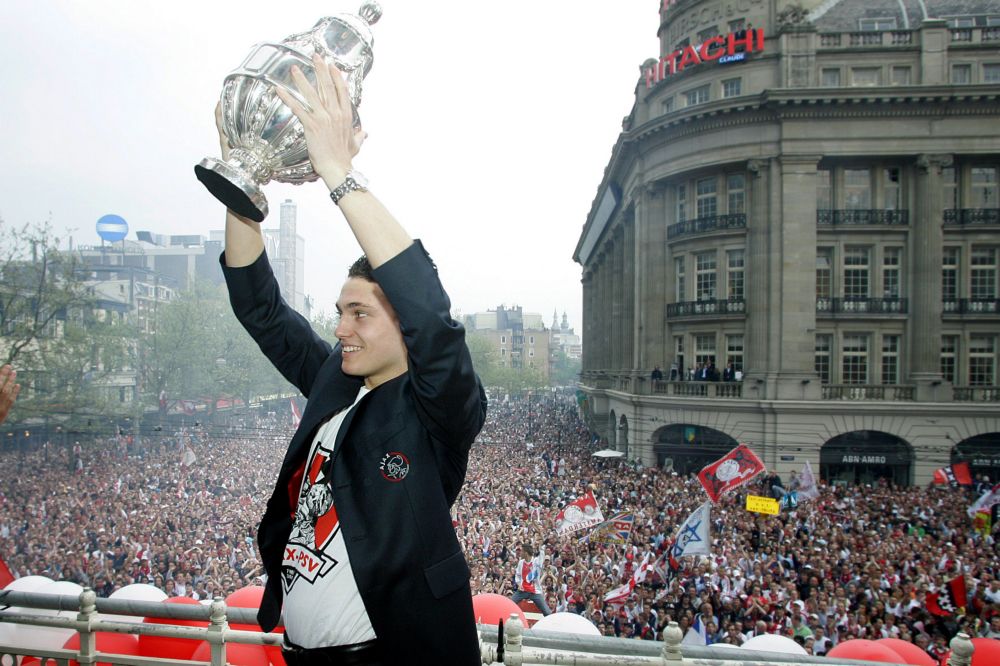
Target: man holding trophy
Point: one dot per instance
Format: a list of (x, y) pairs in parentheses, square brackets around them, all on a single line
[(357, 539)]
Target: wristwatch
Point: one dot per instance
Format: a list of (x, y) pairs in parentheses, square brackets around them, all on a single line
[(355, 181)]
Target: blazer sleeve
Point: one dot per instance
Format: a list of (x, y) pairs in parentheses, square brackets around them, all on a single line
[(449, 397), (285, 337)]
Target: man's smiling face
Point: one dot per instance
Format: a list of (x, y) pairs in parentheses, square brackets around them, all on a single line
[(371, 341)]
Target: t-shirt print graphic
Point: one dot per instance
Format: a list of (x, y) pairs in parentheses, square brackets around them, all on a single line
[(314, 528)]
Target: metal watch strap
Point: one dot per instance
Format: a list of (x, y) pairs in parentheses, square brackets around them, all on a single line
[(350, 184)]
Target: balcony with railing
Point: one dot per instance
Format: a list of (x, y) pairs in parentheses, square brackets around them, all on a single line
[(704, 225), (86, 615), (696, 389), (872, 217), (971, 306), (976, 394), (903, 38), (971, 217), (869, 392), (834, 40), (707, 308), (861, 306)]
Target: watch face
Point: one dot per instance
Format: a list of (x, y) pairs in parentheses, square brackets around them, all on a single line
[(359, 178)]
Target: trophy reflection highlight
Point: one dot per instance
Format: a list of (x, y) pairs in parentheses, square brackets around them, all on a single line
[(267, 141)]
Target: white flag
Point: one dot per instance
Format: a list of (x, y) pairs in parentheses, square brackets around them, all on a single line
[(986, 501), (188, 458), (807, 489), (694, 536)]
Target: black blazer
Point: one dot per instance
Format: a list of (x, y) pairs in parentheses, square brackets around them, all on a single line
[(406, 558)]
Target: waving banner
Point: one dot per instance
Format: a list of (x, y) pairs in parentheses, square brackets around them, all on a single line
[(729, 472), (579, 515)]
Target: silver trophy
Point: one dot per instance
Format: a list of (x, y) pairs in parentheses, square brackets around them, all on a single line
[(266, 139)]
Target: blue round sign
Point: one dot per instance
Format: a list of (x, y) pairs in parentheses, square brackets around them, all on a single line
[(112, 228)]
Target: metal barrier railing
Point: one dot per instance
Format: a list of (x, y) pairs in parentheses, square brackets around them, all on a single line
[(519, 647)]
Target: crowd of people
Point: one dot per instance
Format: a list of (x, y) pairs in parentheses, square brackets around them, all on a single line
[(179, 510)]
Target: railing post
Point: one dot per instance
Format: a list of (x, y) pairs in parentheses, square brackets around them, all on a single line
[(217, 623), (88, 640), (961, 650), (512, 638), (672, 636)]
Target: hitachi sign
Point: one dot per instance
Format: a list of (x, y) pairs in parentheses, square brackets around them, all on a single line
[(722, 48)]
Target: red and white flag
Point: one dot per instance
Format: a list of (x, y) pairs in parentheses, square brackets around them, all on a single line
[(949, 600), (957, 474), (6, 577), (579, 515), (986, 501), (735, 469), (296, 413)]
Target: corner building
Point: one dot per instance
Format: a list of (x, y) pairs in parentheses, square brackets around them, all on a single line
[(810, 193)]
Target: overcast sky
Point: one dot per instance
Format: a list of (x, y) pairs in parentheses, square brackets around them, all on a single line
[(490, 125)]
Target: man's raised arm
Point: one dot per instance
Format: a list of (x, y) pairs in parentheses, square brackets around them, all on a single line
[(333, 142)]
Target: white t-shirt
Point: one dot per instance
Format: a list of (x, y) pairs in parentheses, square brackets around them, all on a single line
[(323, 606)]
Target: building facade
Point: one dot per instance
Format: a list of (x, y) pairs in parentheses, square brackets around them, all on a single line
[(519, 339), (806, 196)]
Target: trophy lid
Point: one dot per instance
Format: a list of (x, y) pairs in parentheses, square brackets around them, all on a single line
[(348, 37)]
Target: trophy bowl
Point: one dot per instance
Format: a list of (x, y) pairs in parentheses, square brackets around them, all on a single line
[(266, 140)]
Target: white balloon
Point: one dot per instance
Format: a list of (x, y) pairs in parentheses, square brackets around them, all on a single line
[(27, 583), (135, 592), (29, 636), (23, 584), (773, 643), (567, 623)]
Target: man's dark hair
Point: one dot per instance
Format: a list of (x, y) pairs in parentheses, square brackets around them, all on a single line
[(361, 269)]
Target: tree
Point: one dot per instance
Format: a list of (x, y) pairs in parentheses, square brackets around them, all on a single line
[(199, 352), (49, 330), (565, 370)]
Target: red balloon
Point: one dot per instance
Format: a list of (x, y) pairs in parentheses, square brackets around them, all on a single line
[(490, 608), (236, 653), (987, 652), (165, 647), (863, 649), (911, 653), (111, 643), (246, 597)]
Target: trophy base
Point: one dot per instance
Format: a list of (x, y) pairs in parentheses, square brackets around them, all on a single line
[(230, 187)]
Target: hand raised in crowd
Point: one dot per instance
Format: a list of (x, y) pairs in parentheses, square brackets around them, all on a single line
[(8, 390)]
